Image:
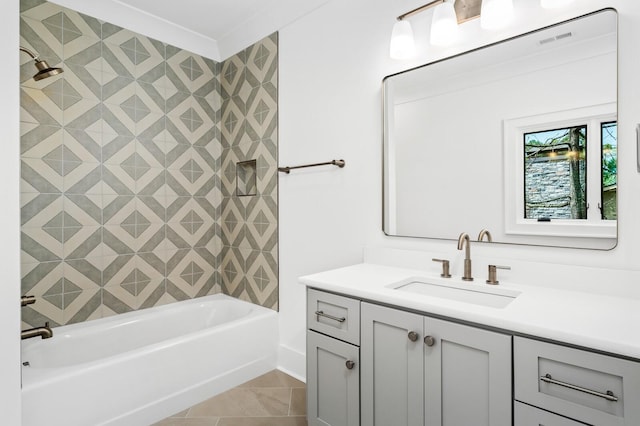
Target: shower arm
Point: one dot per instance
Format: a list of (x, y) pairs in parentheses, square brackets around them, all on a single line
[(30, 53)]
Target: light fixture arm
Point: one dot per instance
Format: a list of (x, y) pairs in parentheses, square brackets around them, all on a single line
[(466, 10), (419, 9)]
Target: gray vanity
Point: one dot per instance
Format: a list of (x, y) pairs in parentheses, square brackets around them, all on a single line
[(379, 356)]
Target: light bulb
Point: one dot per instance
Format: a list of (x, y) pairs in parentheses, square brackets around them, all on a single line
[(444, 25), (495, 14), (402, 44), (554, 4)]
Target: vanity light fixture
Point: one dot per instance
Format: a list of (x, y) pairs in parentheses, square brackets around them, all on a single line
[(403, 45), (447, 15), (554, 4), (495, 14), (444, 24)]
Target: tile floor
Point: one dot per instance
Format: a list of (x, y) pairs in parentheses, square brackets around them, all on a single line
[(274, 399)]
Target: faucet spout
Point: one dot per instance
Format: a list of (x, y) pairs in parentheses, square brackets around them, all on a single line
[(465, 242), (485, 233), (44, 332)]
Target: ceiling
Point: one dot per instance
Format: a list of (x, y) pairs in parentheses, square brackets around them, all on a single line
[(213, 28)]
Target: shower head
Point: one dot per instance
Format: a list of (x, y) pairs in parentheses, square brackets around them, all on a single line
[(44, 70)]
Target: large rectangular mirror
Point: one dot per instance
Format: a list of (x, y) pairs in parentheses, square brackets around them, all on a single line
[(518, 138)]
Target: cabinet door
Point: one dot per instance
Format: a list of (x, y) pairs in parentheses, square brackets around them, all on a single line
[(391, 373), (467, 375), (333, 388)]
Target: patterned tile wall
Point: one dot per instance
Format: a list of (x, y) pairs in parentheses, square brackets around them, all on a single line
[(121, 169), (249, 127)]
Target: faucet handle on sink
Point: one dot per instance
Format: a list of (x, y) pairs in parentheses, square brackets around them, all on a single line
[(445, 267), (493, 274)]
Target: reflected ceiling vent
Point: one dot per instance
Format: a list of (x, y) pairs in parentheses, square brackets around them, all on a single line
[(556, 38)]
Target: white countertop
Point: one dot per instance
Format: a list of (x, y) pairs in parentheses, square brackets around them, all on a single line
[(606, 323)]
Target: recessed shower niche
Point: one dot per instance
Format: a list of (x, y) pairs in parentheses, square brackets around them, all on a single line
[(246, 178)]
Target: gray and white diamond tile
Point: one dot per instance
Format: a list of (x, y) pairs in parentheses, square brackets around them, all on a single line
[(37, 176), (37, 107), (261, 60), (37, 140), (133, 198)]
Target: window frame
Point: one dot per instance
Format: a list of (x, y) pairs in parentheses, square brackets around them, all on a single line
[(514, 129)]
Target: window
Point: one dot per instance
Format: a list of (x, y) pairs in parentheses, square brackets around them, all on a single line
[(561, 173)]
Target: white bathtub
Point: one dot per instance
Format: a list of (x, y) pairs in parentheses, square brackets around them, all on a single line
[(140, 367)]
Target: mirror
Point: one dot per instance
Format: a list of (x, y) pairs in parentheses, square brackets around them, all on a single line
[(518, 138)]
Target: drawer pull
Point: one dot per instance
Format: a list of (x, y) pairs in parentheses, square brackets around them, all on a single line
[(609, 396), (322, 314), (350, 364)]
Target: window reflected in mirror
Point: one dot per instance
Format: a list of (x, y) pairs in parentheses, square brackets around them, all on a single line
[(555, 174), (556, 167), (609, 137)]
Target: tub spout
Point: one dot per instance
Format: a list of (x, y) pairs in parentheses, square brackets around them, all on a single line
[(44, 332)]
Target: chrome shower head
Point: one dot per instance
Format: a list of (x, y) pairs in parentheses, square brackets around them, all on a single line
[(44, 70)]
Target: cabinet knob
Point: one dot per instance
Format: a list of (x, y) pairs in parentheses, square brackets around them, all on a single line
[(350, 364), (413, 336), (429, 340)]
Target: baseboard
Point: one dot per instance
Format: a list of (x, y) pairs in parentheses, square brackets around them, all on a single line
[(292, 362)]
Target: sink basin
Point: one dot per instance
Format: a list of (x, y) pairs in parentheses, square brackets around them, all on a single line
[(468, 293)]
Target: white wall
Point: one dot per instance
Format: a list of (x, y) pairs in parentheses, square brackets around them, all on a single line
[(9, 217), (331, 66)]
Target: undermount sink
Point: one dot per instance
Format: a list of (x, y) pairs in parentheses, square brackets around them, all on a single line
[(468, 293)]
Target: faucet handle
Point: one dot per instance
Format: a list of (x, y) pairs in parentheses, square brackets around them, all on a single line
[(493, 274), (445, 267)]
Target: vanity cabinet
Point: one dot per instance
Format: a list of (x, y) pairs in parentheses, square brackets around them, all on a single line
[(333, 360), (375, 365), (418, 370)]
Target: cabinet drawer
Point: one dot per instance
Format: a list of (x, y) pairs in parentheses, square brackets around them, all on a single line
[(589, 387), (334, 315), (526, 415)]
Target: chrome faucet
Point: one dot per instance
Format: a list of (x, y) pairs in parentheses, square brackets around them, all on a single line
[(462, 240), (44, 332)]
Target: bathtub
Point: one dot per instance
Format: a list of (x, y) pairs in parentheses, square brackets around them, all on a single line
[(140, 367)]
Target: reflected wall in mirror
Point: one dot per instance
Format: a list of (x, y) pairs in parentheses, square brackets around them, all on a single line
[(519, 137)]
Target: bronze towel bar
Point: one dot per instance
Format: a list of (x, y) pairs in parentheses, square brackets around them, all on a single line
[(339, 163)]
